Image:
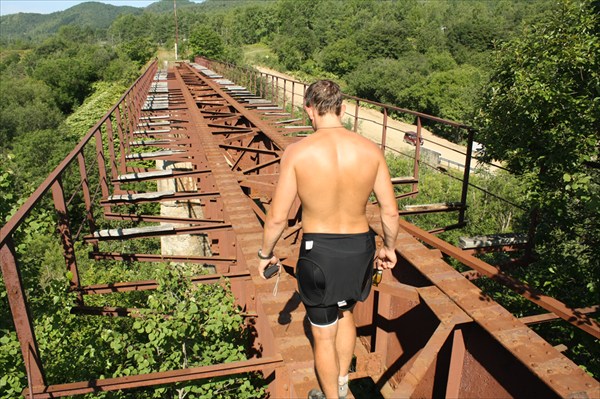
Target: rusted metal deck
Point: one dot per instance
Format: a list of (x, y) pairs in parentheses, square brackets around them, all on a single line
[(425, 331)]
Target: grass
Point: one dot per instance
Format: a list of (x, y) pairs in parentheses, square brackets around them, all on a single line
[(259, 54)]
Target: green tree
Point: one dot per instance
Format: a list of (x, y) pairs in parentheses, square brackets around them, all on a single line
[(541, 117), (449, 94), (341, 57), (49, 145), (255, 23), (27, 104), (129, 27), (205, 42), (384, 38), (69, 79), (139, 50)]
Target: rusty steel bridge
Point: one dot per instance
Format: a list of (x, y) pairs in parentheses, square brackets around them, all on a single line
[(216, 134)]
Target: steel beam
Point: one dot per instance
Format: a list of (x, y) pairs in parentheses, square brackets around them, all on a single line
[(158, 378), (21, 316), (152, 284), (579, 320)]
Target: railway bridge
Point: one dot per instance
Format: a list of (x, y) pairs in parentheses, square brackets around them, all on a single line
[(214, 136)]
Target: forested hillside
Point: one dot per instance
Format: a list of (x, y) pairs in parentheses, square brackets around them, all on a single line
[(525, 74), (429, 56), (26, 27)]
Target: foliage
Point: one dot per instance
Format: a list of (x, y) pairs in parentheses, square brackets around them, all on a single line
[(260, 54), (181, 326), (451, 93), (541, 116), (166, 6), (38, 145), (488, 212), (139, 50), (255, 24), (9, 197), (321, 38), (431, 83), (70, 68), (207, 43), (105, 95), (27, 104), (40, 86), (341, 57)]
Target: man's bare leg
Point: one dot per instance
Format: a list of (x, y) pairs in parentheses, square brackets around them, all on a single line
[(345, 341), (326, 359)]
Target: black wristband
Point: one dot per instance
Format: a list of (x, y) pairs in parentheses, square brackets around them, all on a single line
[(261, 256)]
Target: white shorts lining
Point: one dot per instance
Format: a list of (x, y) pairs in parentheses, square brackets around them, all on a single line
[(321, 326)]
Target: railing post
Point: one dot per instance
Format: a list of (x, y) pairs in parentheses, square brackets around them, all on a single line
[(123, 140), (65, 236), (293, 95), (101, 167), (466, 174), (285, 96), (356, 116), (87, 198), (273, 90), (417, 155), (384, 130), (114, 172), (128, 108), (21, 315)]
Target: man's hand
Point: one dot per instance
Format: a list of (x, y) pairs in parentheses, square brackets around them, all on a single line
[(263, 263), (386, 259)]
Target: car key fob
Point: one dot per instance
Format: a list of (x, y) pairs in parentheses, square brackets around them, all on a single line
[(271, 270)]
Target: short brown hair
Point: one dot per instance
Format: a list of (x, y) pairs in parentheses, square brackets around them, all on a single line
[(324, 96)]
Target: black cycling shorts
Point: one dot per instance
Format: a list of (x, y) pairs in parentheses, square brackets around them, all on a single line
[(334, 271)]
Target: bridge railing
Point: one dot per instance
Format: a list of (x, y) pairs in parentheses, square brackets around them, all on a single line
[(74, 190)]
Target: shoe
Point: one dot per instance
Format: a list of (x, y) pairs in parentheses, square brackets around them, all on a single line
[(343, 390), (343, 387), (316, 394)]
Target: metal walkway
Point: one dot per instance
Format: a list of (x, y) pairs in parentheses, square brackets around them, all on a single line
[(425, 331)]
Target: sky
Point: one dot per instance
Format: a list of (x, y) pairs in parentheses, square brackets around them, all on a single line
[(49, 6)]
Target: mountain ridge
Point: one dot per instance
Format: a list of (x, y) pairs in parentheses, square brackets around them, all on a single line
[(99, 16)]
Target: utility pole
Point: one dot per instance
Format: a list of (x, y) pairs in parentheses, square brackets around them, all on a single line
[(176, 29)]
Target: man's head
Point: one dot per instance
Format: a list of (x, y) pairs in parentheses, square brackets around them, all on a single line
[(324, 96)]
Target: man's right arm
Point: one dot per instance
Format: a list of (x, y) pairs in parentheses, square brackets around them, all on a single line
[(388, 208)]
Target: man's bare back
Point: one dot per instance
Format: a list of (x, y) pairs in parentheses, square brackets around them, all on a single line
[(335, 174)]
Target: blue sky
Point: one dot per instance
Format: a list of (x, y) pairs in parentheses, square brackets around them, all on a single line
[(49, 6)]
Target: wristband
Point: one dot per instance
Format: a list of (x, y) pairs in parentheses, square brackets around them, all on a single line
[(263, 257)]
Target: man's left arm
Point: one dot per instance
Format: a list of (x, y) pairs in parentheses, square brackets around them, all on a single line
[(283, 198)]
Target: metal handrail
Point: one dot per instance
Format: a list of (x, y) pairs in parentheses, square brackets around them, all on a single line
[(13, 223)]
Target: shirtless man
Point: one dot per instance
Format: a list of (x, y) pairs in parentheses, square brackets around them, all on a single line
[(333, 172)]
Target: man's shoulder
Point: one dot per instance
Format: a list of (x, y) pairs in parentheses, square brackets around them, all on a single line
[(366, 144), (292, 152), (300, 146), (364, 141)]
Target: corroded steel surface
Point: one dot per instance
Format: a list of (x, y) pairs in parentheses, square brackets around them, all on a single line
[(425, 331)]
